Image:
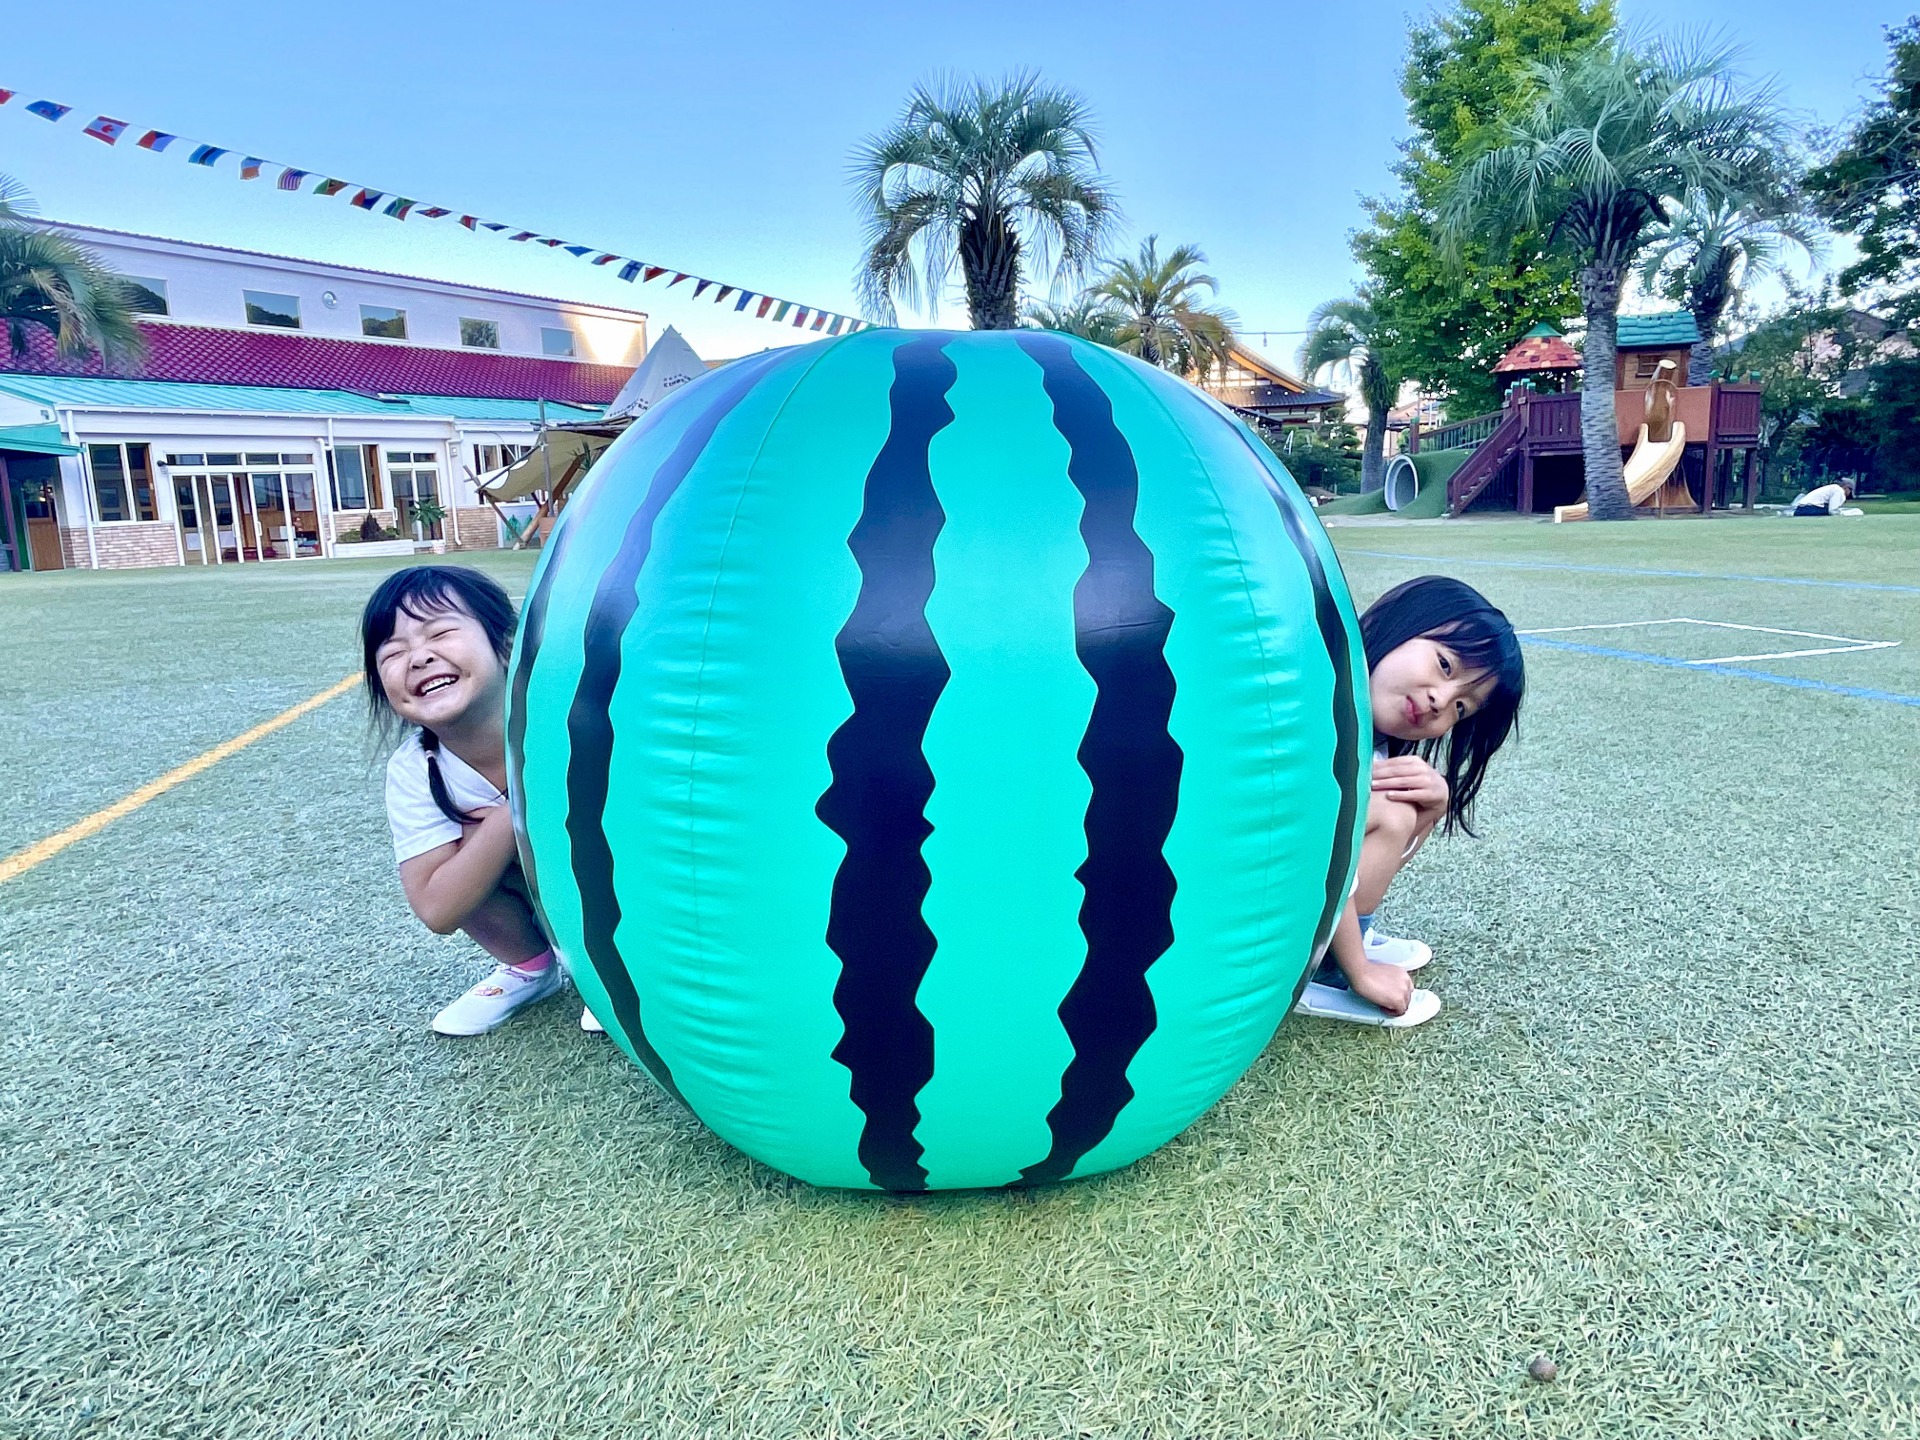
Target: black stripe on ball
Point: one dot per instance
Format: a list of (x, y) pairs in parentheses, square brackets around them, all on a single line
[(1132, 760), (590, 728), (894, 673)]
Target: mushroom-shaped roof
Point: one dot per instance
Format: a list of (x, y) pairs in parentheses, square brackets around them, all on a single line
[(1541, 348)]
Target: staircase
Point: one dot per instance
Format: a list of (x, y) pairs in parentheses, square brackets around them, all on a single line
[(1490, 457)]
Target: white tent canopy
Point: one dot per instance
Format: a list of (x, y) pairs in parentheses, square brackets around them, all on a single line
[(669, 364)]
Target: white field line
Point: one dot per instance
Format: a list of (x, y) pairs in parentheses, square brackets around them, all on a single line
[(1796, 654), (1847, 644)]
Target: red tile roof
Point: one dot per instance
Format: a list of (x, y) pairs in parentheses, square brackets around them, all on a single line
[(1539, 352), (197, 355)]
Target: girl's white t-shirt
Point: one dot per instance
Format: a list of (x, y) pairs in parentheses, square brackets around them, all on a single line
[(1830, 496), (417, 823)]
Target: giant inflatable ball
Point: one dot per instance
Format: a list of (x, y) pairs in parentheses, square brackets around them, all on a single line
[(938, 757)]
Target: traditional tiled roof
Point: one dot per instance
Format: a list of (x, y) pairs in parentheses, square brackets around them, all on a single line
[(201, 355), (1535, 351), (1665, 330), (84, 392)]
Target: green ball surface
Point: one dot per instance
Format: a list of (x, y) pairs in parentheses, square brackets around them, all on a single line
[(938, 757)]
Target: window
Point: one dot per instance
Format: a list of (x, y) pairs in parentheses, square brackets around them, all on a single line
[(556, 342), (480, 334), (488, 458), (266, 308), (145, 295), (122, 483), (381, 323), (348, 468)]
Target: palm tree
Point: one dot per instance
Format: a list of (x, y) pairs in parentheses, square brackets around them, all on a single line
[(1712, 249), (50, 283), (1163, 319), (1614, 134), (1089, 315), (999, 176), (1341, 337)]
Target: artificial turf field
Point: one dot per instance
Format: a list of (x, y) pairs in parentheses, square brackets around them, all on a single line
[(1664, 1130)]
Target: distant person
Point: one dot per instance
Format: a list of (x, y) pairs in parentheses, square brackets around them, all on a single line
[(1826, 500), (436, 641), (1445, 678)]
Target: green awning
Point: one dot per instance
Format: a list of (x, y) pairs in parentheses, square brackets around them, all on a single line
[(35, 440)]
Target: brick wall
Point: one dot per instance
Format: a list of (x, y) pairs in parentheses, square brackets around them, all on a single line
[(131, 546), (479, 529), (347, 522)]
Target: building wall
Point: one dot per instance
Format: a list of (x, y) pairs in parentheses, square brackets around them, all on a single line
[(133, 545), (204, 285), (479, 529)]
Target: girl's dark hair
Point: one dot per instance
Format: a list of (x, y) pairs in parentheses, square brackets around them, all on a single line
[(1447, 610), (422, 591)]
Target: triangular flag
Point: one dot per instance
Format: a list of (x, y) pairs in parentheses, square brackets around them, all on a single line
[(5, 95), (725, 290), (470, 221), (676, 279), (550, 244), (523, 235), (104, 129), (701, 288), (654, 272), (155, 140), (766, 304), (492, 225), (606, 259)]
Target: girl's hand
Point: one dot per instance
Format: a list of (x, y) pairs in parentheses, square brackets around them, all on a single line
[(1387, 986), (1411, 781)]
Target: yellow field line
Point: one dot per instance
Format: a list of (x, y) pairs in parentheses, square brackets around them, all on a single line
[(22, 861)]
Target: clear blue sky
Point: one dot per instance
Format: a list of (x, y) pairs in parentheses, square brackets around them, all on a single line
[(714, 137)]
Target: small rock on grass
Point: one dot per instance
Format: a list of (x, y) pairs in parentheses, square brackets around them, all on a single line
[(1543, 1369)]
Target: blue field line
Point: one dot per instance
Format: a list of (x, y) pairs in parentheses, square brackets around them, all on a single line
[(1630, 570), (1856, 692)]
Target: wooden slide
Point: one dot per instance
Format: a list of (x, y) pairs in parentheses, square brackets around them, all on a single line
[(1650, 475)]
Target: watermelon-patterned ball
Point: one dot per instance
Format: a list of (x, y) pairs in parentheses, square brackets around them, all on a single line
[(938, 756)]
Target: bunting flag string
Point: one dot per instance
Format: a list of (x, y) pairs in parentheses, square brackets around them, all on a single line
[(109, 131)]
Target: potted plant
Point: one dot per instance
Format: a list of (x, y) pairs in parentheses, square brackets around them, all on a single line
[(426, 514)]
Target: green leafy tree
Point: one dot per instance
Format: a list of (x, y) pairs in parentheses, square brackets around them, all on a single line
[(1800, 356), (49, 282), (1088, 315), (1340, 342), (1889, 422), (1711, 250), (1163, 317), (1612, 132), (1870, 189), (1448, 317), (999, 178), (1326, 454)]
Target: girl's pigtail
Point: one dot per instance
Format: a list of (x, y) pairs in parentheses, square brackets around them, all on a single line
[(437, 786)]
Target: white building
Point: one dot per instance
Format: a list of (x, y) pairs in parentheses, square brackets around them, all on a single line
[(285, 407)]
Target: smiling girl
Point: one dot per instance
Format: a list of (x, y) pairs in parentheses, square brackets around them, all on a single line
[(436, 640), (1444, 683)]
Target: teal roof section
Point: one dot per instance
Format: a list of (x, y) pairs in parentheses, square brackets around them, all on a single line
[(83, 392), (1669, 327), (36, 440)]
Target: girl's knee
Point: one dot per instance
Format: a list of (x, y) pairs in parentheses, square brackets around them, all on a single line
[(1395, 818)]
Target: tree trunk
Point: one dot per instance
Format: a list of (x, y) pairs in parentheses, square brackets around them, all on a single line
[(1706, 319), (1599, 426), (1373, 464), (990, 264)]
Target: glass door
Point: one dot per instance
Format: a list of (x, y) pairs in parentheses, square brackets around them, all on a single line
[(414, 480), (197, 542)]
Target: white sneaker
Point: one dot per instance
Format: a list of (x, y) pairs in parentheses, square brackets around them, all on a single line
[(591, 1025), (1387, 950), (495, 999), (1328, 1002)]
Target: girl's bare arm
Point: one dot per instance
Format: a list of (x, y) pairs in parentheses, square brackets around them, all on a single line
[(448, 882)]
